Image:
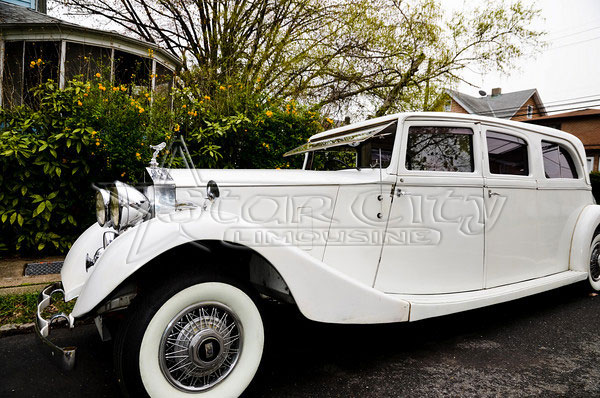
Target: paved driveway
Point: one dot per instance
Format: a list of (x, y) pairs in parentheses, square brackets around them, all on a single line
[(546, 345)]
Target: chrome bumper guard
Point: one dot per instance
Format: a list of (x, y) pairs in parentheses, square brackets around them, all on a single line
[(64, 356)]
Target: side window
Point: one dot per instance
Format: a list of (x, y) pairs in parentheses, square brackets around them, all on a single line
[(558, 163), (507, 154), (440, 149)]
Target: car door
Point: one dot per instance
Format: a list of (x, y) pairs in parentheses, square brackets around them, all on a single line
[(434, 240), (511, 209), (562, 194), (362, 207)]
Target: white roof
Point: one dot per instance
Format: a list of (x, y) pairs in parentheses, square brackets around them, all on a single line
[(445, 116)]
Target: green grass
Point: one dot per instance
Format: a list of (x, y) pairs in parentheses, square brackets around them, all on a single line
[(21, 308)]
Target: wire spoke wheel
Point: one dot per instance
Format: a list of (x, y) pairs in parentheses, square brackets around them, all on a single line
[(594, 263), (200, 346)]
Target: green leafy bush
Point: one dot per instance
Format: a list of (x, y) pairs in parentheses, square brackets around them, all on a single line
[(89, 132), (51, 154), (232, 126)]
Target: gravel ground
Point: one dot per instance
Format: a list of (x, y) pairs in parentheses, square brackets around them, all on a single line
[(547, 345)]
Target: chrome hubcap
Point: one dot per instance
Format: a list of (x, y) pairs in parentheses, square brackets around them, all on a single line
[(594, 263), (200, 346)]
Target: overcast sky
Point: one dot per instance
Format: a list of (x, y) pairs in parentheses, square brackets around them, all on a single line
[(568, 69)]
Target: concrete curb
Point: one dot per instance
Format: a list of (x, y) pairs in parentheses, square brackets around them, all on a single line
[(15, 328), (12, 280)]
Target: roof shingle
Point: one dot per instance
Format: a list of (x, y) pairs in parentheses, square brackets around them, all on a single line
[(503, 106)]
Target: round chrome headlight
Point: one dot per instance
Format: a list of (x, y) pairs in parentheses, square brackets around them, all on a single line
[(102, 206), (128, 206), (115, 207)]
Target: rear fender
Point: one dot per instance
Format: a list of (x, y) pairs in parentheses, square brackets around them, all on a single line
[(321, 293), (587, 223)]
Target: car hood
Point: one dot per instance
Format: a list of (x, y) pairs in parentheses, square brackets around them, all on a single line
[(263, 177)]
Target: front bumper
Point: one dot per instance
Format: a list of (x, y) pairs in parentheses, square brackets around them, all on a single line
[(64, 356)]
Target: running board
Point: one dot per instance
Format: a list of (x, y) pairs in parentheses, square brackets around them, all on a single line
[(424, 306)]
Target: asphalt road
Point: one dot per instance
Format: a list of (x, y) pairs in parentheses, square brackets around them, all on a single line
[(547, 345)]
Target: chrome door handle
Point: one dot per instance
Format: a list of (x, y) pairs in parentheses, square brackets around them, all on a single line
[(490, 193)]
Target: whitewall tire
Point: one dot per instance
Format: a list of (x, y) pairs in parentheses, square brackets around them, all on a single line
[(594, 265), (204, 340)]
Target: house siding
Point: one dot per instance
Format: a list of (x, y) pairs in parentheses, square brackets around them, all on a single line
[(521, 114), (23, 3), (456, 108)]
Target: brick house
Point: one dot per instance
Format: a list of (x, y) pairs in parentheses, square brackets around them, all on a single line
[(584, 124), (518, 105)]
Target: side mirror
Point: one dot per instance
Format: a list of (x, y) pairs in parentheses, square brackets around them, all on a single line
[(212, 190)]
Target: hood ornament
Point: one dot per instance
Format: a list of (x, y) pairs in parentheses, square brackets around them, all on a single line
[(157, 149)]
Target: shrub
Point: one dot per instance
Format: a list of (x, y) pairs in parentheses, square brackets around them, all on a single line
[(91, 132), (50, 156), (229, 126)]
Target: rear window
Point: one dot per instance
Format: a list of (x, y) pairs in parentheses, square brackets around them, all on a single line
[(558, 162), (507, 154), (440, 149)]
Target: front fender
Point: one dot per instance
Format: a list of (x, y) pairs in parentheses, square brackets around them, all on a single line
[(588, 221), (321, 293), (73, 273)]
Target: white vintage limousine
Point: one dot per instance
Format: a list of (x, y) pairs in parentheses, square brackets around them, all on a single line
[(394, 219)]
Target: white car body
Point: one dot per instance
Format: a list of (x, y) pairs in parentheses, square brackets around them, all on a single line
[(505, 213), (533, 236)]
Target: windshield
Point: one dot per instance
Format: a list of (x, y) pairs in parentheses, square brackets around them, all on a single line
[(373, 152)]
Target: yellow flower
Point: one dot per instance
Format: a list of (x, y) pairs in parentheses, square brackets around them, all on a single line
[(79, 103), (32, 64), (98, 75), (138, 156), (85, 94), (222, 88), (258, 80), (123, 174), (269, 113), (115, 88), (329, 120), (201, 102), (277, 168), (141, 109), (168, 137), (39, 61), (101, 87), (123, 88), (147, 95), (97, 143), (93, 133), (206, 97), (176, 129), (184, 106)]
